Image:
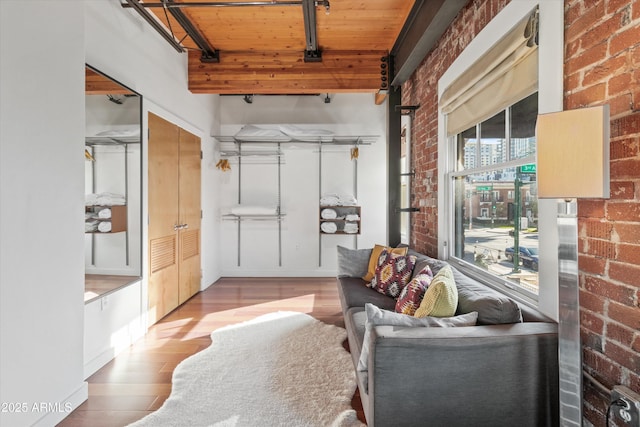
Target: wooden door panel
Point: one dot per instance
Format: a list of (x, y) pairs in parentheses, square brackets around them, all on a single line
[(190, 214), (163, 216)]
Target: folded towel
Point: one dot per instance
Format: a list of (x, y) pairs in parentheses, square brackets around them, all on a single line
[(254, 210), (347, 200), (104, 199), (104, 213), (351, 228), (90, 226), (352, 217), (104, 226), (328, 227), (330, 200), (328, 214)]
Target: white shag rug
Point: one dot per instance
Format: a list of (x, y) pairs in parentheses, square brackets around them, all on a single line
[(280, 369)]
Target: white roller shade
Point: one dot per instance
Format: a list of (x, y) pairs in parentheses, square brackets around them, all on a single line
[(508, 73)]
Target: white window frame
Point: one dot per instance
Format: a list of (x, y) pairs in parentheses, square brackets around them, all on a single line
[(550, 99)]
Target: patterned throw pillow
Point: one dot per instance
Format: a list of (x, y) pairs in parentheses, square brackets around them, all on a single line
[(375, 255), (393, 272), (441, 297), (412, 294)]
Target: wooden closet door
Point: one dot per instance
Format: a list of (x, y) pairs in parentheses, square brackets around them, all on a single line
[(190, 216), (163, 217)]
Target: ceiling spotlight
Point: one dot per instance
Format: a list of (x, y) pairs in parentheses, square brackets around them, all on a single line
[(248, 99), (326, 5), (327, 100)]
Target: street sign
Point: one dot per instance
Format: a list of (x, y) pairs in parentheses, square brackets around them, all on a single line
[(530, 168), (484, 188)]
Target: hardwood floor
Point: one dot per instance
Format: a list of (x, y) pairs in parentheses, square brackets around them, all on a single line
[(138, 380)]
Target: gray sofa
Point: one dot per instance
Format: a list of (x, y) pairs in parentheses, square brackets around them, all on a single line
[(501, 372)]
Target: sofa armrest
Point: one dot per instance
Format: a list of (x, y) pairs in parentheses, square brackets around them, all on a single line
[(481, 375)]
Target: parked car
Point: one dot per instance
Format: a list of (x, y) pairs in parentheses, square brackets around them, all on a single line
[(528, 256)]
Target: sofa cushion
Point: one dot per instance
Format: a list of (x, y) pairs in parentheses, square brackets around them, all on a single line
[(422, 260), (441, 298), (375, 255), (493, 308), (411, 296), (376, 316), (393, 273), (353, 262), (354, 292)]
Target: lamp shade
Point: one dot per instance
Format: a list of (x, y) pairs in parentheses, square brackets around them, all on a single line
[(573, 153)]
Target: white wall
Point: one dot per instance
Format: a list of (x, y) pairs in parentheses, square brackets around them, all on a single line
[(42, 168), (347, 114), (122, 45), (41, 202)]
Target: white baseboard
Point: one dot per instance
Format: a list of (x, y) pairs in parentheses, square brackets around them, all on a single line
[(61, 410)]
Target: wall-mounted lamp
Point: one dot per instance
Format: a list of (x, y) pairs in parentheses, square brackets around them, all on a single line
[(573, 154), (573, 162)]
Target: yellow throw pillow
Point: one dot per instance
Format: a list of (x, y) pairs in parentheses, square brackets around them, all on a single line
[(441, 297), (375, 254)]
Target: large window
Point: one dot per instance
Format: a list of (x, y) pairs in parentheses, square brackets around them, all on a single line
[(495, 196)]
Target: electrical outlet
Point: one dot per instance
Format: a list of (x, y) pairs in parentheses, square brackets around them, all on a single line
[(629, 410)]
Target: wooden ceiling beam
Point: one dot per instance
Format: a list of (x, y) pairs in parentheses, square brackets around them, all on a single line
[(97, 84), (287, 73)]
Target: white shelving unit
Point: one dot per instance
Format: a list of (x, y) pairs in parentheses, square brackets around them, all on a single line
[(265, 150)]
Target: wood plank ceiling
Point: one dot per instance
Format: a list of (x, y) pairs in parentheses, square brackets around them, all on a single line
[(260, 48)]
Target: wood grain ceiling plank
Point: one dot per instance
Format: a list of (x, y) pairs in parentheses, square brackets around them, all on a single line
[(247, 73)]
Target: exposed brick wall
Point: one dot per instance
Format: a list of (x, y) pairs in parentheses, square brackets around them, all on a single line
[(422, 89), (602, 65)]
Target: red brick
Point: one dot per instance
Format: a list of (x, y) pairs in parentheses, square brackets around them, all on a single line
[(624, 40), (620, 105), (587, 19), (596, 229), (623, 211), (622, 190), (623, 356), (587, 59), (590, 96), (626, 232), (629, 316), (629, 254), (592, 302), (592, 265), (609, 290), (572, 82), (615, 5), (635, 346), (601, 31), (607, 373), (591, 322), (627, 125), (619, 333), (590, 208), (624, 148), (600, 248), (620, 83)]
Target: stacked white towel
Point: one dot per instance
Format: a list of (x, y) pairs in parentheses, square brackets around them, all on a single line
[(328, 227), (104, 226), (351, 227), (352, 217), (104, 213), (90, 226), (338, 200), (104, 199), (328, 214)]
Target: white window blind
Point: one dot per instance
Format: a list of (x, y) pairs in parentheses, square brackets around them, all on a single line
[(506, 74)]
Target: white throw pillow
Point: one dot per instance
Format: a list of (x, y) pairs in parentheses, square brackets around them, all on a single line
[(377, 316)]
